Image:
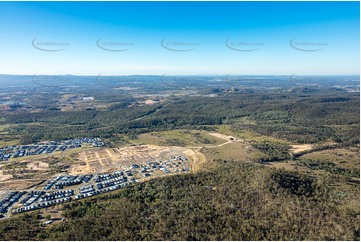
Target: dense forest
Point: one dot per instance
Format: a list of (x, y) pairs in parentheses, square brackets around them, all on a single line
[(234, 201)]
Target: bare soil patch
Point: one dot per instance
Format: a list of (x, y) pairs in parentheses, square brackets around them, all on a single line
[(300, 148)]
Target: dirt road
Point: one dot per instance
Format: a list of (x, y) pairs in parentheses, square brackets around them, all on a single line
[(199, 158)]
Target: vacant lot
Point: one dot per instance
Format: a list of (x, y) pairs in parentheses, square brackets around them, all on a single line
[(238, 151), (181, 138)]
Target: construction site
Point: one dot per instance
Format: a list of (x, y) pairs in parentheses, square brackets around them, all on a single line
[(92, 172), (112, 159)]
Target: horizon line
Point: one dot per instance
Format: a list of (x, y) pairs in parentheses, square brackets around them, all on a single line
[(164, 74)]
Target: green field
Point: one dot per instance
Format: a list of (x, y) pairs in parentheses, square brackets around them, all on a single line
[(233, 151), (183, 138)]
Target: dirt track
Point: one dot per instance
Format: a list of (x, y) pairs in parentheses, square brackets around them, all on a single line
[(199, 158)]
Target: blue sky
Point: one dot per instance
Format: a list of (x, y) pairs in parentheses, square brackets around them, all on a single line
[(124, 38)]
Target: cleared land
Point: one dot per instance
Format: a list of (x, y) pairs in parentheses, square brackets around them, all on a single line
[(183, 138), (231, 151), (300, 148), (109, 160), (25, 172)]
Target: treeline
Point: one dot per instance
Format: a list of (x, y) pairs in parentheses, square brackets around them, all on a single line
[(231, 202), (273, 151)]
